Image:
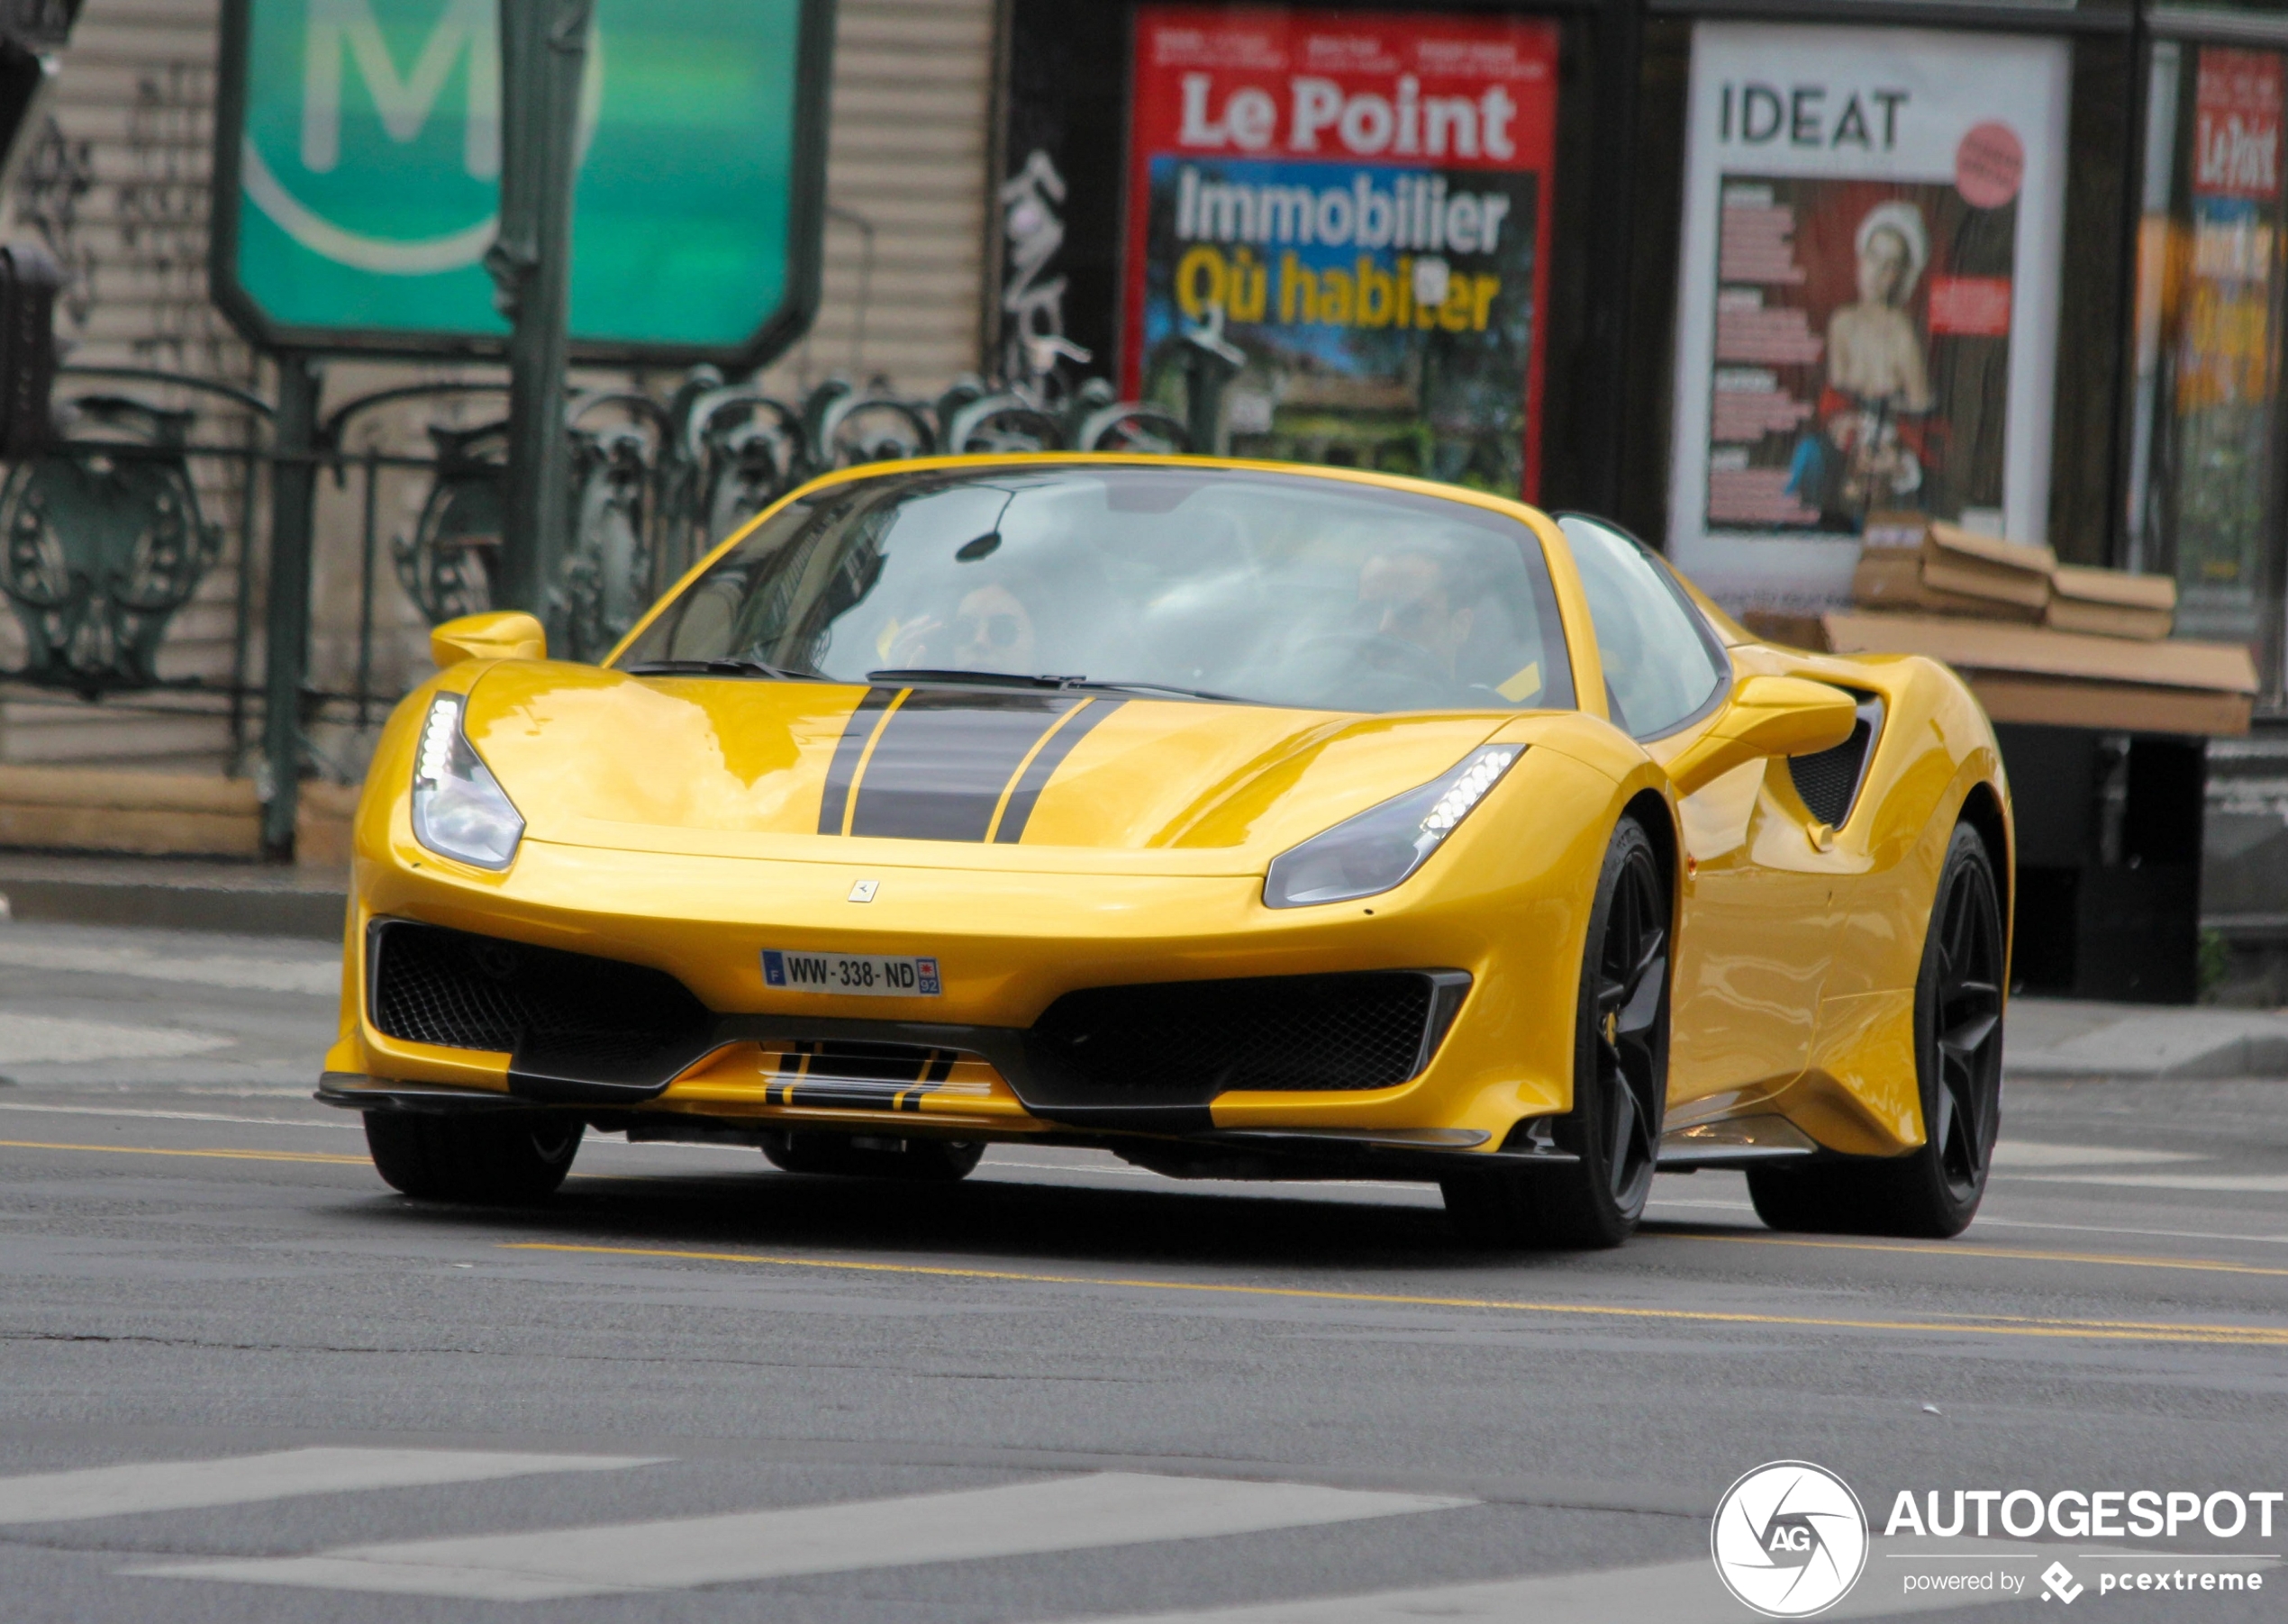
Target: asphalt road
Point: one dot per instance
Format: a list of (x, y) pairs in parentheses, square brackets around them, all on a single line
[(239, 1379)]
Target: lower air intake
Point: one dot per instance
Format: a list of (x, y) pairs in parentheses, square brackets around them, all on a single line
[(558, 1015), (1193, 1040)]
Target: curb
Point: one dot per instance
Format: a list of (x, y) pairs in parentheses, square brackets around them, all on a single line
[(241, 910)]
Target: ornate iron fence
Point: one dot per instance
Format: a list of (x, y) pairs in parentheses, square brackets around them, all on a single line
[(108, 533)]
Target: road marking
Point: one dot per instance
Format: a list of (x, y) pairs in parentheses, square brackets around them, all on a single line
[(177, 1116), (2261, 1184), (45, 1040), (1998, 1325), (249, 974), (2029, 1223), (176, 1485), (1973, 1253), (1061, 1514), (230, 1155), (2024, 1153)]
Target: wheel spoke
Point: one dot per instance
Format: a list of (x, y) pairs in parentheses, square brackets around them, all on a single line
[(1643, 1007), (1942, 1131), (1962, 1152), (1967, 1039)]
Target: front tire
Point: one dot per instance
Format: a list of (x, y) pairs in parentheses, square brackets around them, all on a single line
[(1934, 1190), (843, 1156), (1619, 1078), (491, 1158)]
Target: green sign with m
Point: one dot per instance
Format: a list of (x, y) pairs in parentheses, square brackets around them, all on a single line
[(358, 167)]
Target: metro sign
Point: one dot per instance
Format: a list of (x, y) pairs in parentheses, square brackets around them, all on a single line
[(358, 164)]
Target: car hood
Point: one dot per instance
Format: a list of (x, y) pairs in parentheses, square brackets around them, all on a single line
[(989, 776)]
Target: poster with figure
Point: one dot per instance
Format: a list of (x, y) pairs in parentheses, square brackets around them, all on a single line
[(1342, 219), (1867, 308)]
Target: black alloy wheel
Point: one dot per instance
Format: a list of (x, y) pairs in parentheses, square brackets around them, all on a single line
[(1619, 1078), (492, 1159), (845, 1155), (1932, 1191)]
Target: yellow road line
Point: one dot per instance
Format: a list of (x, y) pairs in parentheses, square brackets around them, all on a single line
[(239, 1155), (2258, 1336), (2206, 1265)]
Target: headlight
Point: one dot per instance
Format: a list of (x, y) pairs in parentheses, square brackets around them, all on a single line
[(1380, 847), (460, 809)]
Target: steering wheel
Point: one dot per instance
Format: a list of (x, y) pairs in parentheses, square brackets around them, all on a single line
[(1378, 652)]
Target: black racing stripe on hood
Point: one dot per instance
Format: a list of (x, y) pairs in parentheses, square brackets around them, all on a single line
[(944, 758), (1043, 767), (843, 770)]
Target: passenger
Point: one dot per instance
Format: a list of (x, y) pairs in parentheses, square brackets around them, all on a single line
[(1412, 594)]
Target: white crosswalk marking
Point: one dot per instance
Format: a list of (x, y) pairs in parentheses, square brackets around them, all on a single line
[(1061, 1514), (179, 1486)]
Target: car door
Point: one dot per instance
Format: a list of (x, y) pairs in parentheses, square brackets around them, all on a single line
[(1756, 922)]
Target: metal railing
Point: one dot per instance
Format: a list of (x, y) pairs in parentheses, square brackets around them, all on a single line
[(108, 534)]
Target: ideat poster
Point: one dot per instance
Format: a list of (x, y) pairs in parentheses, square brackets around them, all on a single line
[(1357, 207), (1868, 305)]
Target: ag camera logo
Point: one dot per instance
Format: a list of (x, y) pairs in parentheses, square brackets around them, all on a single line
[(1790, 1539)]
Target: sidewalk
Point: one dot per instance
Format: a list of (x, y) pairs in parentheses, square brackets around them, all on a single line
[(2048, 1037), (176, 894)]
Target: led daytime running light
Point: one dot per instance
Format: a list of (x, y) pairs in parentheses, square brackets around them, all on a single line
[(460, 809), (1378, 849), (1482, 774)]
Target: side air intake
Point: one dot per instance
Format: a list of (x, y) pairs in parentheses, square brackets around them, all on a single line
[(1829, 781)]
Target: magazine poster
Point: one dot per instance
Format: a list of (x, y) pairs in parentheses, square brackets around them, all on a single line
[(1867, 308), (1352, 210), (2226, 382)]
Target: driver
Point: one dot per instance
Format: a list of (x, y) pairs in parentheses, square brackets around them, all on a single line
[(1411, 594), (991, 630)]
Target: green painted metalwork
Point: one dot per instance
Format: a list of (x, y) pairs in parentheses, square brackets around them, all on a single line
[(358, 176)]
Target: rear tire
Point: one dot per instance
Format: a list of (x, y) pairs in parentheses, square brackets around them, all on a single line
[(1619, 1079), (841, 1155), (492, 1159), (1934, 1190)]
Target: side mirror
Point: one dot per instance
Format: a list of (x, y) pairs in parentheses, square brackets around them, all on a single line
[(503, 634), (1766, 716)]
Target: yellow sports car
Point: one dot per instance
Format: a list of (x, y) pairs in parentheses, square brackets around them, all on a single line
[(1242, 819)]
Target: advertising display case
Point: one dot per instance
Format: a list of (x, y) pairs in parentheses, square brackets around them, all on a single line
[(1867, 296), (1358, 206), (2204, 489)]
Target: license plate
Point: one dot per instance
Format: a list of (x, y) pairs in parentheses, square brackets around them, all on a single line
[(858, 975)]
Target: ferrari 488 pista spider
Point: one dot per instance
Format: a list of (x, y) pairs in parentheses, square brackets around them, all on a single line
[(1244, 821)]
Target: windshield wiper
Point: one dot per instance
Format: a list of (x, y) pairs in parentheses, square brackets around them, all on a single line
[(1019, 680), (1144, 687), (719, 668), (998, 679)]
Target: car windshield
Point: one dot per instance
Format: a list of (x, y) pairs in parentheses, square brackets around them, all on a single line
[(1275, 589)]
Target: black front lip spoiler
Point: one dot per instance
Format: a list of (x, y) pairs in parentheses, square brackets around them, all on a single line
[(1399, 1153)]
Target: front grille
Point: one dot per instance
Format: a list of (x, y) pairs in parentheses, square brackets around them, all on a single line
[(1194, 1039), (1829, 781), (564, 1015)]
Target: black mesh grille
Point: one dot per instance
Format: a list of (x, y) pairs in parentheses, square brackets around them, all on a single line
[(1829, 781), (1200, 1039), (562, 1012)]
